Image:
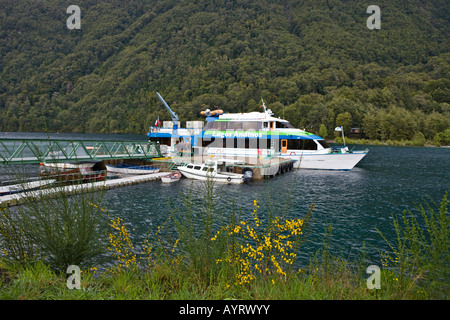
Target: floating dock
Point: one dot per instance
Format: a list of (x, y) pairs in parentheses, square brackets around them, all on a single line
[(19, 198), (262, 168)]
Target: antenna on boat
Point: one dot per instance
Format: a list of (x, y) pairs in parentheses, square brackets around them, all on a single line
[(269, 112), (263, 105)]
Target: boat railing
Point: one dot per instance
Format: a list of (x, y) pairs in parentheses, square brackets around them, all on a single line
[(154, 129), (340, 149)]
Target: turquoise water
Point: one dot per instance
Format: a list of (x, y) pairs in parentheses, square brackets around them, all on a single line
[(356, 203)]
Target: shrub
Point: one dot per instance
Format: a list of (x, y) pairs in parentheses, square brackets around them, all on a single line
[(418, 140), (269, 250), (58, 229), (442, 138), (422, 248)]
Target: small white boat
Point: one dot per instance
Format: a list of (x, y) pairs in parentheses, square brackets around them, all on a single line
[(171, 177), (130, 169), (68, 165), (27, 186), (217, 171)]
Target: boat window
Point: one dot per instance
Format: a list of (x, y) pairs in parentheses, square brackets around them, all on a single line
[(190, 166), (250, 125), (222, 125), (251, 143), (216, 125), (301, 144), (263, 144), (239, 142), (205, 168), (308, 144), (197, 168), (324, 144), (209, 125), (207, 141), (294, 144), (210, 169), (235, 125), (284, 124), (162, 141)]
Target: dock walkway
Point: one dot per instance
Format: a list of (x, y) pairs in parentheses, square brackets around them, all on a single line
[(18, 198)]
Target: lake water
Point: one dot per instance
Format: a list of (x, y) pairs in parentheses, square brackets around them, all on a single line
[(356, 203)]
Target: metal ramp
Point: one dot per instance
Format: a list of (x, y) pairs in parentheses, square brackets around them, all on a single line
[(32, 151)]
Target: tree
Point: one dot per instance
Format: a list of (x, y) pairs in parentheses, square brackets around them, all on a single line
[(323, 131), (434, 123), (344, 120), (371, 125), (398, 124)]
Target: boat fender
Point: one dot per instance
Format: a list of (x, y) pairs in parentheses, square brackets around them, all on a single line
[(248, 174)]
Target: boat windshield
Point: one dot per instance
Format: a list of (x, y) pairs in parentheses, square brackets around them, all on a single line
[(284, 124), (324, 144)]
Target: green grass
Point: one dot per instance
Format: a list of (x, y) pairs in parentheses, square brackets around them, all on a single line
[(38, 282)]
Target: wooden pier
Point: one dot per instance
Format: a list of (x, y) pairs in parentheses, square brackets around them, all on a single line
[(19, 198)]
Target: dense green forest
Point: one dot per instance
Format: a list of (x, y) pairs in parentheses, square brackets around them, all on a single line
[(313, 61)]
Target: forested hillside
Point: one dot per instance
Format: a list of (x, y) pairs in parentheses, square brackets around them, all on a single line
[(316, 60)]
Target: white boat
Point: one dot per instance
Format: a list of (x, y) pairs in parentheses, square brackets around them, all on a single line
[(74, 171), (217, 171), (261, 135), (171, 177), (69, 165), (27, 186), (131, 169)]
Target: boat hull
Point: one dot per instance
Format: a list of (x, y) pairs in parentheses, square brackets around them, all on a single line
[(132, 170), (216, 177), (68, 165), (75, 175), (173, 177), (328, 161)]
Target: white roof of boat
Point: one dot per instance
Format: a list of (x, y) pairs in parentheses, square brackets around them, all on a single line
[(250, 116)]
